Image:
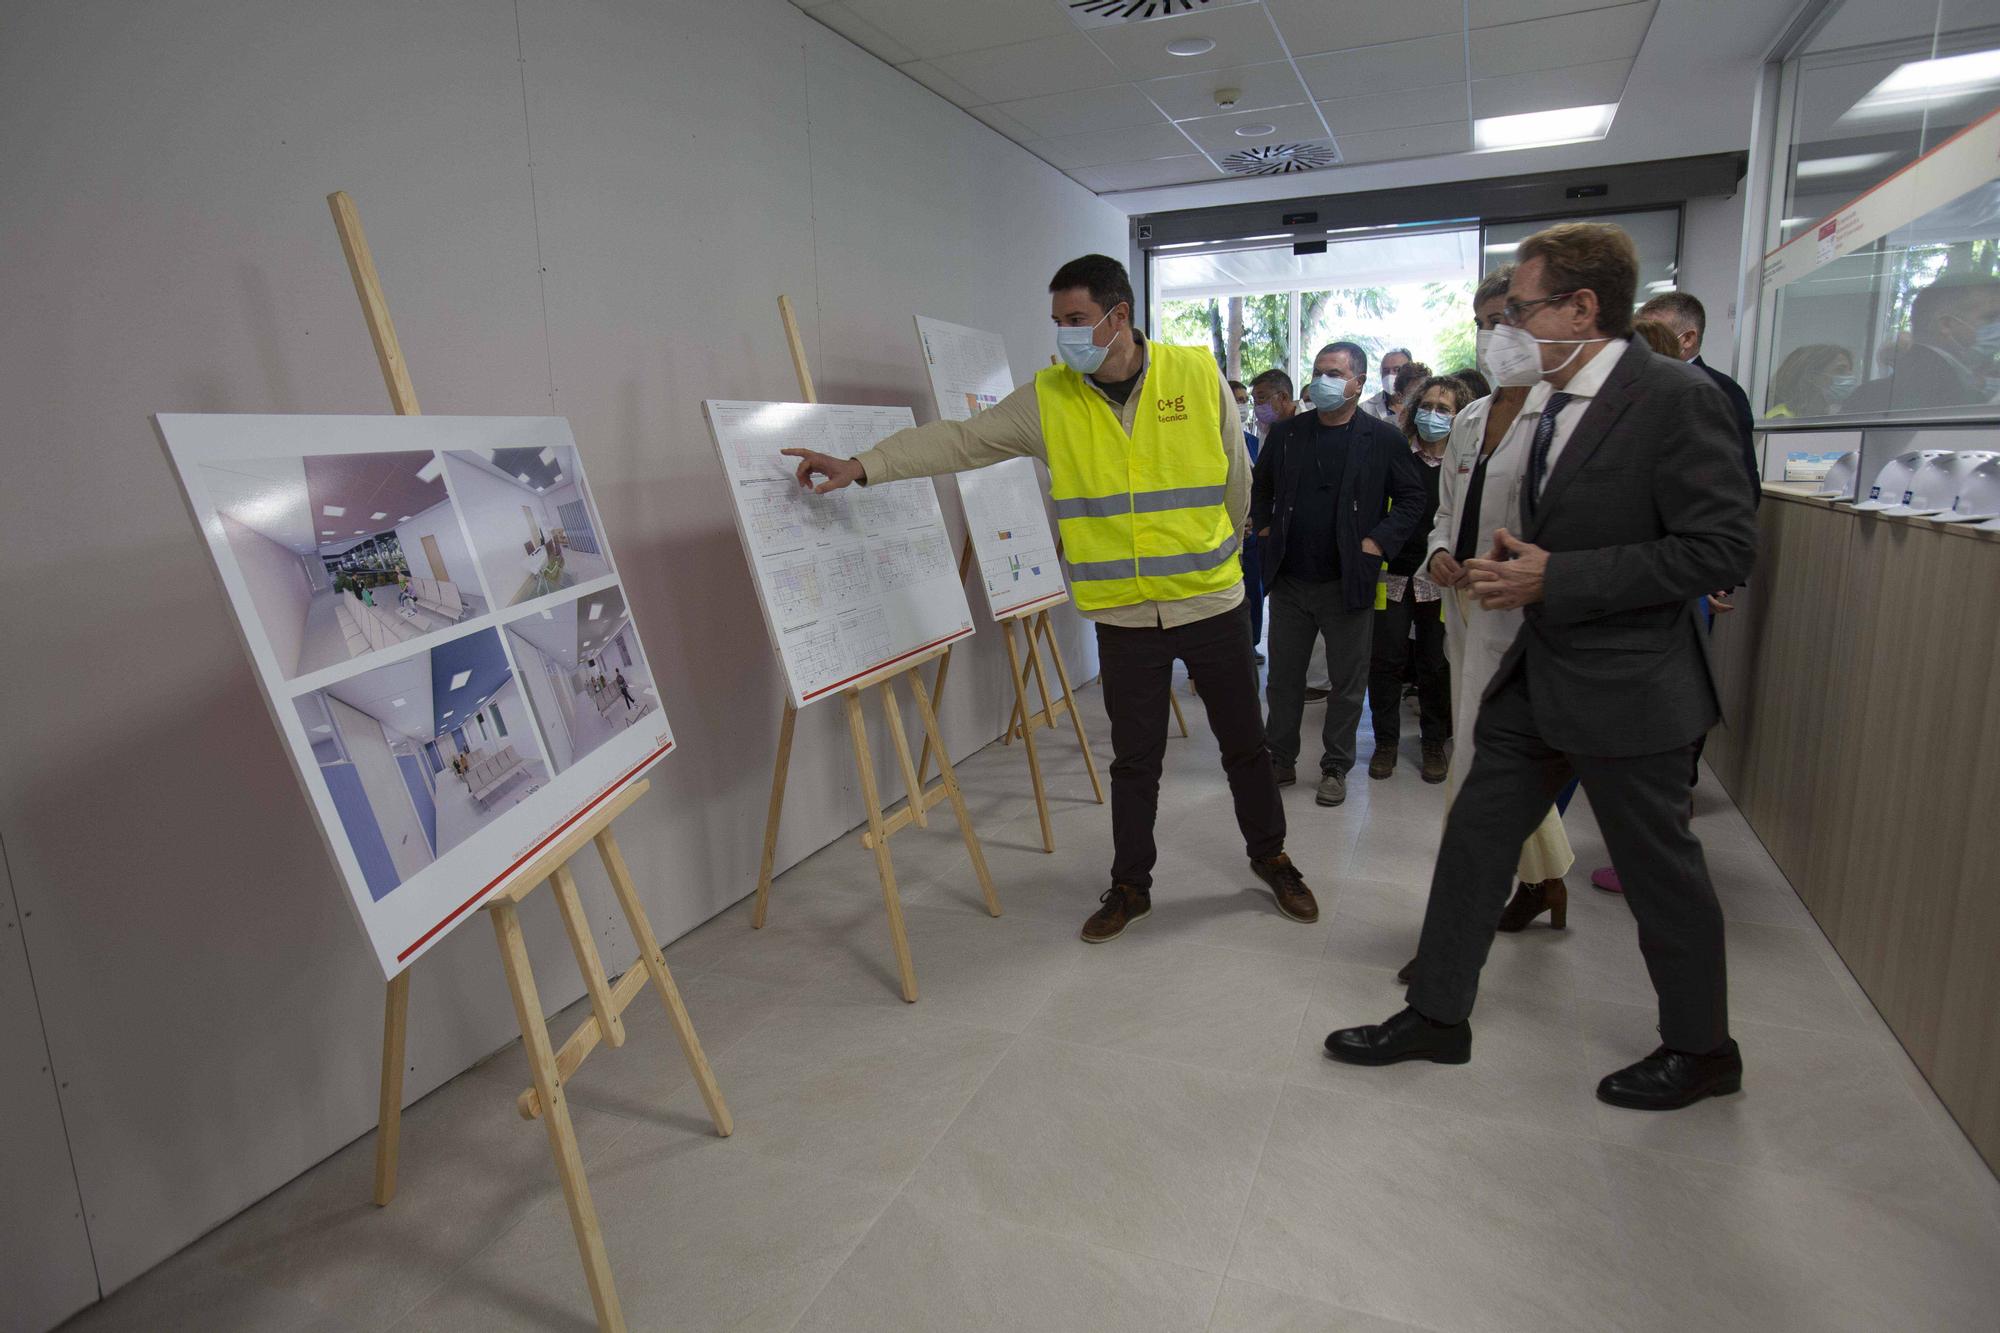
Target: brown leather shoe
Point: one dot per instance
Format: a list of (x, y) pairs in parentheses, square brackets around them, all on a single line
[(1123, 905), (1531, 900), (1383, 762), (1295, 900), (1434, 761)]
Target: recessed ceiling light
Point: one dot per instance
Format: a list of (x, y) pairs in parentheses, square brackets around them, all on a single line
[(596, 610), (1798, 222), (447, 712), (1271, 236), (1943, 79), (429, 471), (540, 489), (334, 511), (1255, 131), (559, 476), (548, 615), (373, 517), (1181, 245), (326, 532), (404, 519), (547, 455), (1845, 165), (1534, 129), (458, 681), (522, 477), (1190, 46), (359, 533), (397, 703), (1503, 247)]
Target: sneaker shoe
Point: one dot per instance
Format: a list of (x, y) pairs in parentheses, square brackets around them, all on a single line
[(1123, 905), (1286, 774), (1434, 761), (1332, 789), (1383, 762), (1295, 900)]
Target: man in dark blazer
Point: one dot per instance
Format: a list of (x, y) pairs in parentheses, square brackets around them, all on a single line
[(1632, 507), (1688, 318), (1333, 489)]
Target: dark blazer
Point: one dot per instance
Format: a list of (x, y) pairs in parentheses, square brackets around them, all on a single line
[(1644, 512), (1924, 377), (1380, 469), (1739, 406)]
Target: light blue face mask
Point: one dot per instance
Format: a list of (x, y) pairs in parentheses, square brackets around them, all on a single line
[(1840, 388), (1433, 426), (1328, 394), (1079, 353)]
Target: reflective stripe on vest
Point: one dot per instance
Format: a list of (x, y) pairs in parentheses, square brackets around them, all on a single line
[(1142, 515)]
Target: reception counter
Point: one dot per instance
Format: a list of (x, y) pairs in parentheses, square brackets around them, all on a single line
[(1861, 739)]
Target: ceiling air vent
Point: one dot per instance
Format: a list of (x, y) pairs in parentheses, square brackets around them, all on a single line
[(1109, 13), (1275, 159)]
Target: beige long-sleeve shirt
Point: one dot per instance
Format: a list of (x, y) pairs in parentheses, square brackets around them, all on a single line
[(1012, 428)]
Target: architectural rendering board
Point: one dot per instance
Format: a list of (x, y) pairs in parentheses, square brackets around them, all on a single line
[(440, 635), (850, 582), (1004, 513)]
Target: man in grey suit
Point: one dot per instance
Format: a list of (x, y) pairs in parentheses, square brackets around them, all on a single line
[(1632, 507)]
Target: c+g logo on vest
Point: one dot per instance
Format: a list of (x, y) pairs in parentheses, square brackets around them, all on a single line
[(1172, 409)]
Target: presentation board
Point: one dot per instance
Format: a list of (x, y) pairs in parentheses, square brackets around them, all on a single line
[(1011, 540), (458, 680), (850, 582)]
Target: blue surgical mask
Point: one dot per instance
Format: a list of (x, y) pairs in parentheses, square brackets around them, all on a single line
[(1327, 393), (1433, 426), (1839, 388), (1078, 352)]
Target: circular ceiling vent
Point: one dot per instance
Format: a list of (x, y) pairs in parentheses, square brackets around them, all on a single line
[(1106, 13), (1275, 159)]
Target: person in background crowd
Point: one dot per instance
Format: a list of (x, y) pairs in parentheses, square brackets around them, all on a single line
[(1377, 404), (1628, 515), (1813, 381), (1689, 320), (1412, 604), (1333, 492), (1477, 386), (1253, 570), (1657, 335), (1953, 356), (1151, 486), (1243, 408)]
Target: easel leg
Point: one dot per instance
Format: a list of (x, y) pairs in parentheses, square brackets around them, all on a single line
[(949, 777), (1041, 682), (901, 741), (1069, 695), (555, 1116), (786, 727), (865, 766), (1028, 737), (569, 903), (937, 692), (663, 980), (389, 1114), (1179, 716)]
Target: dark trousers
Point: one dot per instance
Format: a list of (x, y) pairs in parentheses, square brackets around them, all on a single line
[(1393, 624), (1253, 588), (1137, 672), (1641, 805), (1300, 613)]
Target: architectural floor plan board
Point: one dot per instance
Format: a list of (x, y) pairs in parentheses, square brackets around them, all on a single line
[(458, 680), (849, 582), (1004, 513)]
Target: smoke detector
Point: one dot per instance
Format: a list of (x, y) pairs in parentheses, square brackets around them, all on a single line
[(1228, 97), (1111, 13), (1277, 159)]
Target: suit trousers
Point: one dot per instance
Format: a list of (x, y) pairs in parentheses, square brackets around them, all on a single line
[(1136, 667), (1641, 806), (1301, 613), (1393, 625)]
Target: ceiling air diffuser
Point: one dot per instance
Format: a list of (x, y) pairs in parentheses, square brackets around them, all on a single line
[(1109, 13), (1275, 159)]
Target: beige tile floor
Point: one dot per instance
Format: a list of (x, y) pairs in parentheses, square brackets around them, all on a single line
[(1144, 1135)]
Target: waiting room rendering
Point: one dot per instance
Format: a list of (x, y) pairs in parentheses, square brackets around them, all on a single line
[(585, 674), (327, 591), (532, 525)]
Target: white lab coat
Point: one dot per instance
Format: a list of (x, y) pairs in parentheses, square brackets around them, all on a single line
[(1475, 639)]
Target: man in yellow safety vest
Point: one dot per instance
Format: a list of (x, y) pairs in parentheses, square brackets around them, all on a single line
[(1151, 484)]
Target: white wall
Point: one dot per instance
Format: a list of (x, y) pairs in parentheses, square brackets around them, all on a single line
[(278, 586), (492, 511), (438, 522), (542, 686), (1712, 265), (169, 249), (367, 746)]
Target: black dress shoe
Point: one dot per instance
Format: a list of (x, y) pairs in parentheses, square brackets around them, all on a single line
[(1668, 1080), (1407, 1036), (1409, 971)]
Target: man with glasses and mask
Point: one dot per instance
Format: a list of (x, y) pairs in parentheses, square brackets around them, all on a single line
[(1151, 483), (1321, 506), (1632, 507)]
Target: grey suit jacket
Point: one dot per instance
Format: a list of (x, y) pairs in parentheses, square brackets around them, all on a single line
[(1646, 510)]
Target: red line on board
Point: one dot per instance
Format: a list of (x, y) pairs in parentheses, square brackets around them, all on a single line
[(827, 689), (1032, 601), (523, 859)]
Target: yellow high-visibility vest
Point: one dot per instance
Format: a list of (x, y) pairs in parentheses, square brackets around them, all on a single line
[(1142, 515)]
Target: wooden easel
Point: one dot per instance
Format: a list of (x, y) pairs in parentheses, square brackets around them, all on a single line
[(550, 1068), (921, 798)]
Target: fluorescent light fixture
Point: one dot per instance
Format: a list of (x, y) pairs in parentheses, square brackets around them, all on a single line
[(404, 519), (322, 730), (1272, 236), (522, 477), (429, 471), (326, 532), (1798, 222), (548, 615), (373, 517), (1503, 247), (1181, 245), (1663, 285), (1190, 46), (458, 681), (540, 489), (560, 477), (596, 610), (447, 712), (359, 533), (1845, 165), (397, 703), (547, 455), (334, 511), (1534, 129), (1942, 79)]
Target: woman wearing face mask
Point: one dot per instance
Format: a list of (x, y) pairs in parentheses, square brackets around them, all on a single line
[(1413, 601), (1813, 381)]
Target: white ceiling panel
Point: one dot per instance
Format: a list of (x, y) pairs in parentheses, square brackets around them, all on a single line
[(1427, 62), (929, 75), (1312, 26), (1413, 141), (1242, 35), (1257, 87), (1030, 69), (1090, 150), (1219, 134), (843, 20), (1543, 90), (1574, 39), (1144, 175), (1117, 106), (943, 27), (997, 119), (1493, 13), (1394, 110)]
